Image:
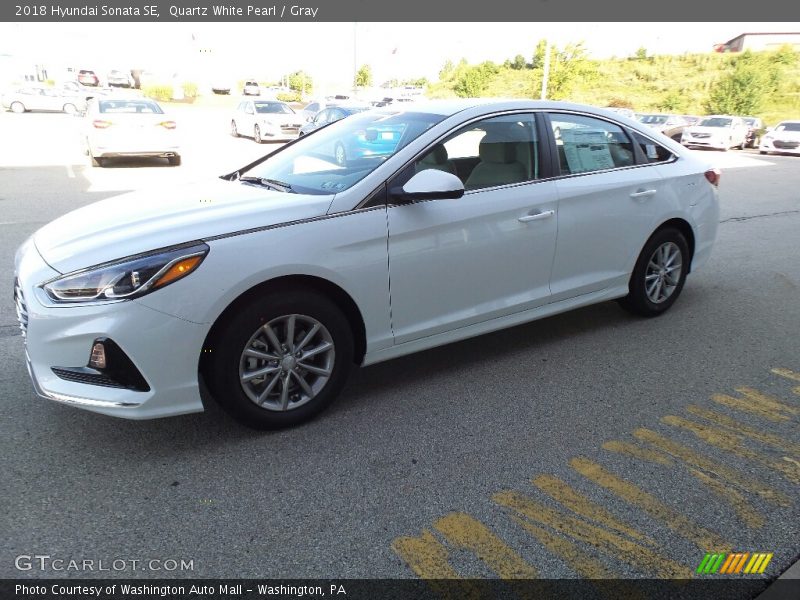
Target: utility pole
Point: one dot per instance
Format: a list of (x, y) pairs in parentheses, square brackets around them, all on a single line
[(355, 54), (546, 74)]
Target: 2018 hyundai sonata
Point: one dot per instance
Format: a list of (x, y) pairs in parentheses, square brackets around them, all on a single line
[(273, 281)]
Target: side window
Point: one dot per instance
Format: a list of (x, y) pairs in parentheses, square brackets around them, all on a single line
[(336, 114), (321, 118), (312, 108), (248, 109), (492, 152), (653, 152), (242, 106), (586, 144)]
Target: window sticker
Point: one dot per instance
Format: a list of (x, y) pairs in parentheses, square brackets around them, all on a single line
[(586, 150)]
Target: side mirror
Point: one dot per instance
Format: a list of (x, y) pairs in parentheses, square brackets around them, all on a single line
[(430, 184)]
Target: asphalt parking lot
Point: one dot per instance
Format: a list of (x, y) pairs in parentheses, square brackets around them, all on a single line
[(587, 444)]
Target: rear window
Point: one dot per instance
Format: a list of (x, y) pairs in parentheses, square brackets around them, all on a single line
[(130, 106), (652, 151)]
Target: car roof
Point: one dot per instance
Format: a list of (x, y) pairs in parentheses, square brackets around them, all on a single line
[(452, 106)]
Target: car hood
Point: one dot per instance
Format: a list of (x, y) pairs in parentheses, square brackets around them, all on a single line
[(147, 220)]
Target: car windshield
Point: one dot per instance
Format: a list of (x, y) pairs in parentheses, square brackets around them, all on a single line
[(273, 107), (715, 122), (750, 122), (788, 127), (653, 119), (336, 157), (130, 106)]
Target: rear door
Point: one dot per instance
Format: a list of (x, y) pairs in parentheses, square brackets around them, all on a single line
[(607, 207)]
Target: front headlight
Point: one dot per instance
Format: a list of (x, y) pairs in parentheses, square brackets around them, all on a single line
[(129, 278)]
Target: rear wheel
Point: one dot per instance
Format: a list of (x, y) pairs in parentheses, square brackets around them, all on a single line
[(17, 107), (659, 274), (257, 134), (281, 359), (70, 109), (234, 130)]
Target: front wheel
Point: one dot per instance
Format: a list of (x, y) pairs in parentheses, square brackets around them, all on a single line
[(257, 134), (234, 130), (659, 274), (281, 359), (17, 107), (70, 109)]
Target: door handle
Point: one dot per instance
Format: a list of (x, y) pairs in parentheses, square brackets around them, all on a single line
[(643, 193), (537, 217)]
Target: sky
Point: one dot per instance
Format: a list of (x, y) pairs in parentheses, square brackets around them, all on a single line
[(328, 51)]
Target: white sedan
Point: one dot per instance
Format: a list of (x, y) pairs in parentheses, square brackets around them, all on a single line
[(129, 127), (720, 132), (271, 282), (266, 120), (784, 137)]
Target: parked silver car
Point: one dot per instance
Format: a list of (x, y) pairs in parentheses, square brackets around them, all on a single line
[(44, 99)]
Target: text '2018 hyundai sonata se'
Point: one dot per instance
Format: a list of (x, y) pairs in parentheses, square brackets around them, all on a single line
[(271, 282)]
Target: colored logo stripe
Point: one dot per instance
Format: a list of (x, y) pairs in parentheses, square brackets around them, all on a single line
[(734, 563)]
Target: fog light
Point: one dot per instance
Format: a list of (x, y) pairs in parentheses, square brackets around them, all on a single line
[(97, 360)]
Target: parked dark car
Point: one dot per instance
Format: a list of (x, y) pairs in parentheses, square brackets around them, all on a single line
[(331, 114), (755, 129)]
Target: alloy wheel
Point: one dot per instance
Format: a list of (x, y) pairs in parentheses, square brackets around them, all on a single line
[(663, 273), (287, 362)]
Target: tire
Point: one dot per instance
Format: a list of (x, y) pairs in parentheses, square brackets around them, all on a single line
[(245, 331), (665, 247), (340, 155), (18, 107), (234, 130), (70, 109), (762, 151), (257, 134), (174, 161)]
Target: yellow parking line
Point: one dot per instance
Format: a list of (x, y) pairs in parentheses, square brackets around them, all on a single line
[(637, 452), (743, 509), (620, 548), (580, 504), (426, 556), (463, 531), (787, 373), (732, 443), (695, 459), (739, 427), (685, 527), (757, 403)]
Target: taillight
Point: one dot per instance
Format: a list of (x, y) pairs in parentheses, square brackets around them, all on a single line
[(713, 176), (168, 124), (100, 124)]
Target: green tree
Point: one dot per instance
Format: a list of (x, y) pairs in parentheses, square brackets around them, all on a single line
[(473, 81), (538, 54), (568, 66), (363, 76), (519, 63), (301, 82), (743, 91), (641, 53)]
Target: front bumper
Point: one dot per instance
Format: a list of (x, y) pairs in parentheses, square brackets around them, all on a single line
[(704, 143), (165, 349), (783, 146)]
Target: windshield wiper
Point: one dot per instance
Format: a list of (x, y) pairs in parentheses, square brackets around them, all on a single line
[(272, 184)]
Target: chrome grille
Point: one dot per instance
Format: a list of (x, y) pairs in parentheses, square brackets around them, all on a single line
[(22, 308), (785, 145), (701, 136), (290, 128)]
